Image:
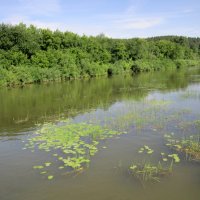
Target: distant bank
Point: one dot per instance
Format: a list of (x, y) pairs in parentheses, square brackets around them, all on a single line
[(32, 55)]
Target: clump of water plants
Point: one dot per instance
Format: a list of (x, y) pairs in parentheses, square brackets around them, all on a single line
[(72, 144), (189, 145), (186, 126), (156, 102), (191, 94), (146, 149), (175, 157), (150, 172)]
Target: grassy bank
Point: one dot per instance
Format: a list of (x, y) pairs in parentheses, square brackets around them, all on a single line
[(25, 74)]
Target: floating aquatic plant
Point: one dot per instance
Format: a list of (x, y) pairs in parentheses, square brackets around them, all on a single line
[(50, 177), (146, 149), (72, 143), (156, 102), (175, 157), (189, 145)]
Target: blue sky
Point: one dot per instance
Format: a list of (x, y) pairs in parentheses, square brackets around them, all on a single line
[(114, 18)]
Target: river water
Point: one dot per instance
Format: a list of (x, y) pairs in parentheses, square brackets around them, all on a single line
[(145, 107)]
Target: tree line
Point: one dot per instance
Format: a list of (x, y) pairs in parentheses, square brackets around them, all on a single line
[(31, 55)]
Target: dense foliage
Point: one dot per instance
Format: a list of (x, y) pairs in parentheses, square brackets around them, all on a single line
[(29, 54)]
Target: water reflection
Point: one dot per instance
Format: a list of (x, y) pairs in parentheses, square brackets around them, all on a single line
[(22, 108)]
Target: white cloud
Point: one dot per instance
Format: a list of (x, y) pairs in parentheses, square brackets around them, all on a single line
[(131, 22), (132, 19), (140, 23), (39, 7), (34, 12), (16, 19)]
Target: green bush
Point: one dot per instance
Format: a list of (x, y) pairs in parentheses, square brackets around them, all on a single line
[(29, 55)]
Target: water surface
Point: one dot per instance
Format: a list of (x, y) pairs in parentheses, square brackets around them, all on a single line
[(145, 106)]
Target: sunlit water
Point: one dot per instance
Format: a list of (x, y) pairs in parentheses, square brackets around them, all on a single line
[(146, 106)]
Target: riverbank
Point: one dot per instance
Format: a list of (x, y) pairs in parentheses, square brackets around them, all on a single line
[(22, 75)]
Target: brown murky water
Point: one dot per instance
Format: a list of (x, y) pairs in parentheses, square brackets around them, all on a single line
[(146, 106)]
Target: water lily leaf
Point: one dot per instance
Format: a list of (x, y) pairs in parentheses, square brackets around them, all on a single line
[(150, 152), (47, 164), (50, 177), (44, 172), (133, 167), (38, 167)]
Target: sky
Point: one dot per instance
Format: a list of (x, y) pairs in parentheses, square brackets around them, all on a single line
[(114, 18)]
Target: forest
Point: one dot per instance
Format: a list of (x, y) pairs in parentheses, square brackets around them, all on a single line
[(32, 55)]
